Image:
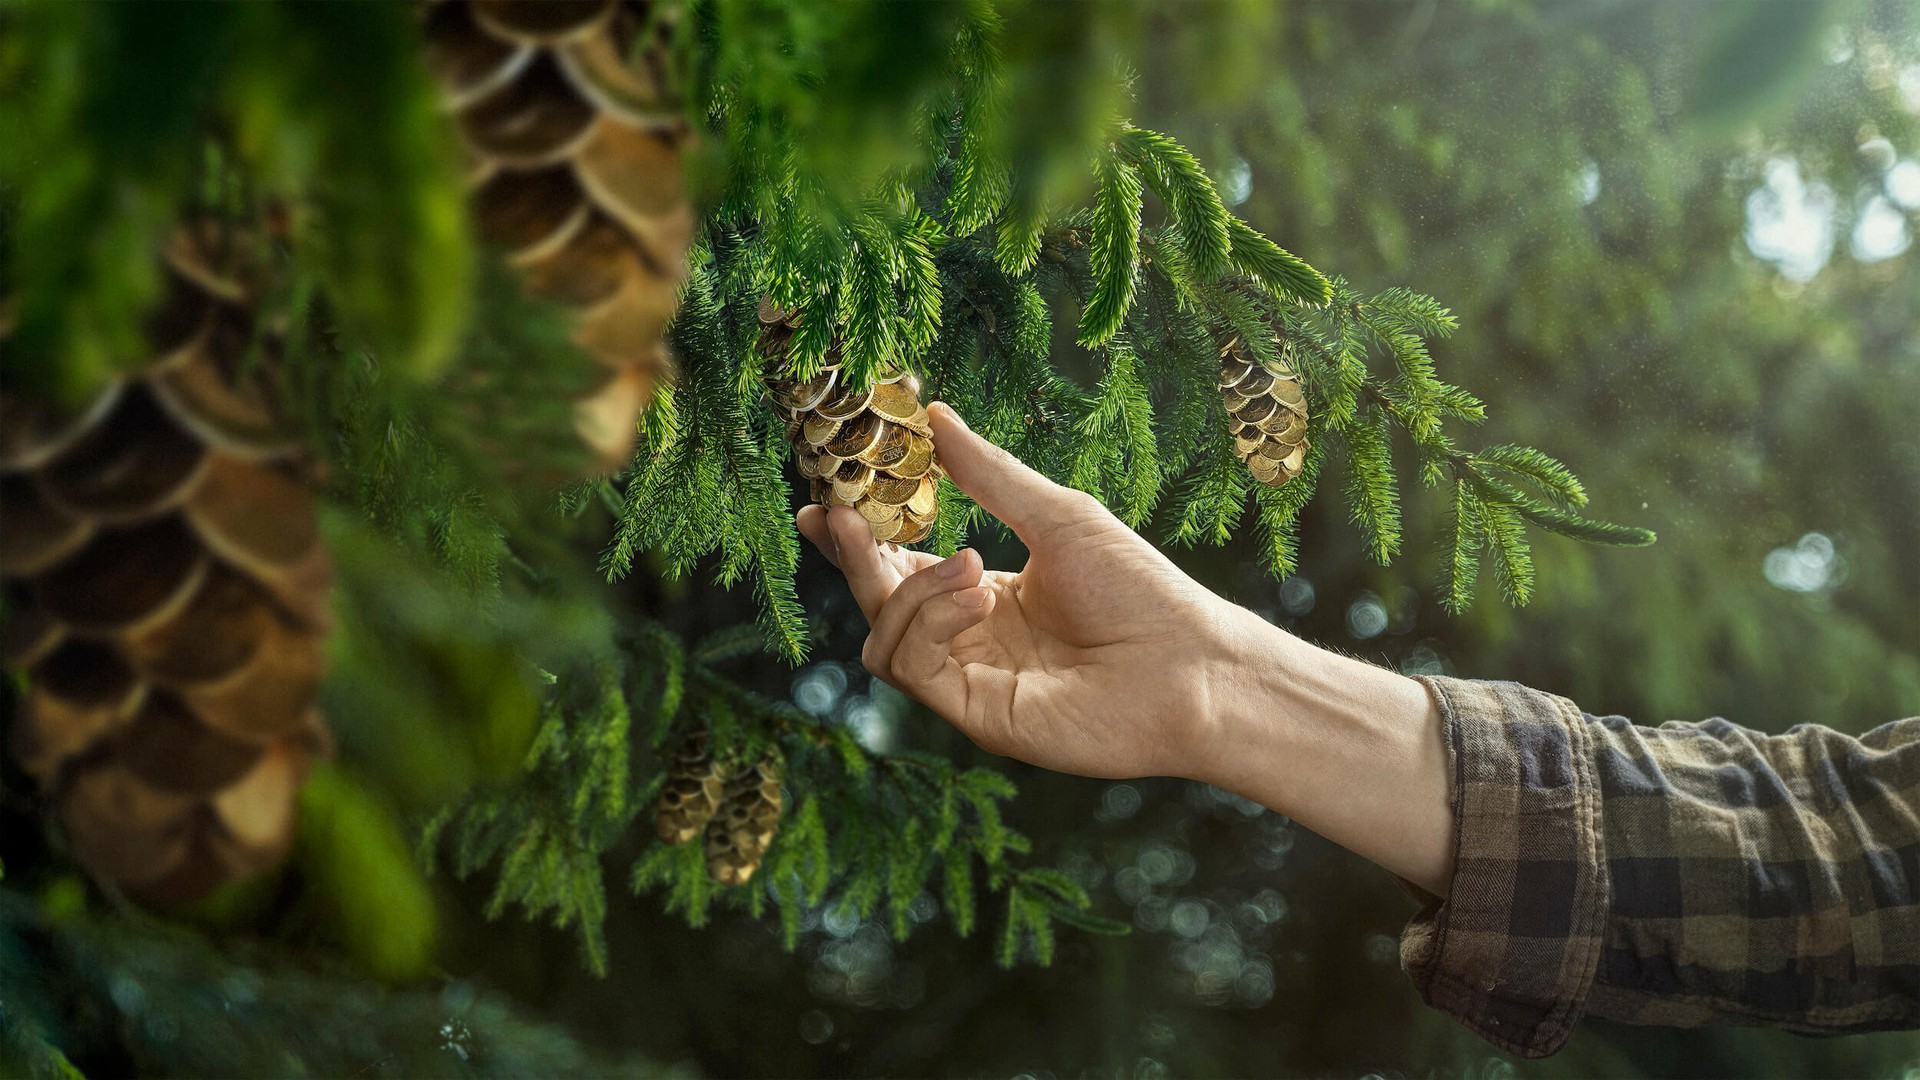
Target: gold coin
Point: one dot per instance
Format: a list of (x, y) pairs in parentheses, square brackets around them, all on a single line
[(851, 482), (918, 459), (818, 430), (802, 396), (846, 406), (895, 402), (1256, 410), (889, 449), (856, 436), (925, 499), (892, 490)]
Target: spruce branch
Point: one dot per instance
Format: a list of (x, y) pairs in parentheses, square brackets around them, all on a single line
[(1150, 301), (1512, 556), (1193, 201), (1372, 494), (1018, 234), (1114, 249), (1284, 274), (1460, 565), (869, 832), (1551, 517), (982, 179), (1555, 480)]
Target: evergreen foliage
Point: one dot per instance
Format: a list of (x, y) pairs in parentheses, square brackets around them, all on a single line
[(890, 274), (974, 311), (869, 833)]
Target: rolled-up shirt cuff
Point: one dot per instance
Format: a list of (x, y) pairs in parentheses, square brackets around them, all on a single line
[(1512, 951)]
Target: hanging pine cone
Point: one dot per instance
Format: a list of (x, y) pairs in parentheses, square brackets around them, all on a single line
[(166, 594), (1267, 412), (739, 835), (869, 449), (695, 786), (577, 175)]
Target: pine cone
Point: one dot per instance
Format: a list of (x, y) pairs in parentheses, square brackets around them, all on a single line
[(739, 835), (869, 449), (577, 176), (695, 786), (1267, 412), (166, 593)]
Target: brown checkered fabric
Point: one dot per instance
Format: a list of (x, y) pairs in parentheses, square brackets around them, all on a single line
[(1682, 875)]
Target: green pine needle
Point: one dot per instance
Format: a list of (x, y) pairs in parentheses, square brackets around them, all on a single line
[(1178, 180), (1114, 253), (1284, 274)]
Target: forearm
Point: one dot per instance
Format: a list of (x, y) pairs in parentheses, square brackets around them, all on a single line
[(1352, 751)]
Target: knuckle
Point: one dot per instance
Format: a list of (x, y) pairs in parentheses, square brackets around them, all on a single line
[(871, 659), (1080, 503)]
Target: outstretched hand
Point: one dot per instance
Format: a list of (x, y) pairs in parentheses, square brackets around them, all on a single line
[(1098, 657)]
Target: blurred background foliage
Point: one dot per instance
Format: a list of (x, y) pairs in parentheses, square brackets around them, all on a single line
[(1676, 238)]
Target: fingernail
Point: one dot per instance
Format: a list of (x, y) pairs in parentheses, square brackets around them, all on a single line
[(970, 598), (954, 563)]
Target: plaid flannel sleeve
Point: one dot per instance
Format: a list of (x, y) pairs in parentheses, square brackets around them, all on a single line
[(1682, 875)]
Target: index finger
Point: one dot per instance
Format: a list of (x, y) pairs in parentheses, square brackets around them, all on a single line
[(870, 574)]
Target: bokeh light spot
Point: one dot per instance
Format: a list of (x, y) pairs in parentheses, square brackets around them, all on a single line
[(1366, 617), (1790, 222), (1812, 565)]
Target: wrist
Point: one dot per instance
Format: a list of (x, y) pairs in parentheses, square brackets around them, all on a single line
[(1250, 698), (1350, 750)]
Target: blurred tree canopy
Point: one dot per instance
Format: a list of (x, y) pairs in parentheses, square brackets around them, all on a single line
[(1675, 239)]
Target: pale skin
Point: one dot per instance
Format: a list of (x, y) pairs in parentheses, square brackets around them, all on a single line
[(1100, 657)]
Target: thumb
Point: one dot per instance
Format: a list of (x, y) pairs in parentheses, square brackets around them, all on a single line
[(994, 478)]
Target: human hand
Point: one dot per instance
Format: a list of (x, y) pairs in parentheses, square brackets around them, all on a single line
[(1099, 657)]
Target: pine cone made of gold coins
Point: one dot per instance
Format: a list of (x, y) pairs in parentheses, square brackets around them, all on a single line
[(739, 835), (576, 139), (1266, 411), (695, 786), (166, 593), (870, 449)]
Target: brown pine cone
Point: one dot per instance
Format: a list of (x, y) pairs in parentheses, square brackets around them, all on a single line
[(166, 593), (695, 786), (1267, 412), (870, 449), (577, 176), (739, 835)]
